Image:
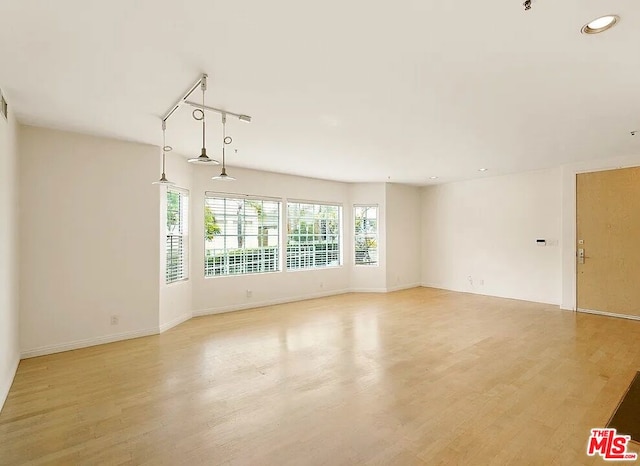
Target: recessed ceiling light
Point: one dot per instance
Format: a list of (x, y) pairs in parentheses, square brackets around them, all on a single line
[(482, 169), (601, 24), (433, 177)]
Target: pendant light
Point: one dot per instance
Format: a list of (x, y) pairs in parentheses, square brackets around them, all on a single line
[(163, 179), (198, 114), (225, 140)]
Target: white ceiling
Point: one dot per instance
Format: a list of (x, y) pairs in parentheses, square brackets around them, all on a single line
[(346, 90)]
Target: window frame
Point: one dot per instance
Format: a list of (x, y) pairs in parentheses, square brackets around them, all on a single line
[(244, 198), (184, 223), (377, 234), (340, 242)]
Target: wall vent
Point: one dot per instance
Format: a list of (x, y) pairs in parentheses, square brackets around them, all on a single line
[(4, 108)]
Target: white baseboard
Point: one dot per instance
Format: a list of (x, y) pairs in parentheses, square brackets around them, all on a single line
[(403, 287), (293, 299), (5, 385), (270, 302), (608, 314), (433, 285), (568, 306), (174, 322), (59, 348), (368, 290), (528, 300)]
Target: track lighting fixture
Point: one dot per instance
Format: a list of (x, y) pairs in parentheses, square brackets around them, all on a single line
[(198, 114), (163, 178), (225, 141)]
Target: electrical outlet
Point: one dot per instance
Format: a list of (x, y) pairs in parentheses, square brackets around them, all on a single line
[(470, 280), (482, 282), (115, 320), (321, 284), (249, 293)]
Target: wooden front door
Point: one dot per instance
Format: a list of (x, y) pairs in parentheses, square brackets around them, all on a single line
[(608, 234)]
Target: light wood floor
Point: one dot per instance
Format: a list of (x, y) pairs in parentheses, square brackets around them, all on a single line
[(415, 377)]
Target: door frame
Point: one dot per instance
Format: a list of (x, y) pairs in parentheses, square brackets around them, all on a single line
[(569, 224)]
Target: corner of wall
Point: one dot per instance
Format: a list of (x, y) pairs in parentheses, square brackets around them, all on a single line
[(9, 263), (7, 380)]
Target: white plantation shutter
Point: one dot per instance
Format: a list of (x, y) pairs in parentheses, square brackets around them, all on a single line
[(313, 235), (176, 245), (242, 235), (365, 234)]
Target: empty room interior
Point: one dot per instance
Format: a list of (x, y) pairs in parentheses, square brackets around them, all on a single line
[(336, 233)]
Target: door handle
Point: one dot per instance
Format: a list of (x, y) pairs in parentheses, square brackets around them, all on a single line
[(581, 256)]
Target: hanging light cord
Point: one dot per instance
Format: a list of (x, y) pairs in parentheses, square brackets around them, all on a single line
[(224, 136), (164, 145), (203, 124)]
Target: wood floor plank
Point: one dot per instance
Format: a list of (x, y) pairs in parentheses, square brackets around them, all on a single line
[(421, 376)]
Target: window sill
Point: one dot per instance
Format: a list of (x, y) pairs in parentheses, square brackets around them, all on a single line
[(235, 275), (310, 269), (176, 282)]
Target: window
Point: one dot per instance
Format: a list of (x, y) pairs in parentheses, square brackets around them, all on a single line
[(177, 245), (313, 235), (241, 236), (366, 234)]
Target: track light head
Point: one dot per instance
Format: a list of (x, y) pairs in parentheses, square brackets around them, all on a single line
[(246, 118)]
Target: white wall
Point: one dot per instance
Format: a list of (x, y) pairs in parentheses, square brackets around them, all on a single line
[(91, 225), (175, 298), (403, 236), (367, 278), (89, 240), (219, 294), (487, 229), (9, 332)]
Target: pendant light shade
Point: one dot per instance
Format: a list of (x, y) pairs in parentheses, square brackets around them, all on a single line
[(204, 159), (198, 114), (163, 178), (223, 176), (225, 140)]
